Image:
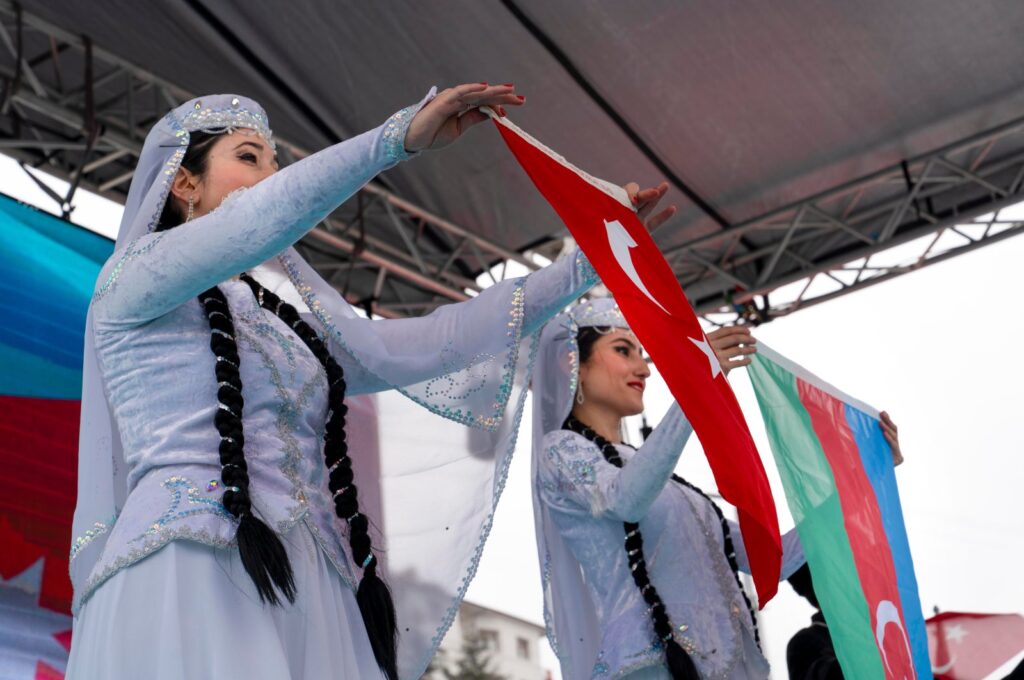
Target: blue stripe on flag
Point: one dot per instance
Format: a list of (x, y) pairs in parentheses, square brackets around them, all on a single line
[(876, 457)]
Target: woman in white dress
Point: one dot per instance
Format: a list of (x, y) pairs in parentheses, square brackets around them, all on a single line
[(219, 532), (639, 566)]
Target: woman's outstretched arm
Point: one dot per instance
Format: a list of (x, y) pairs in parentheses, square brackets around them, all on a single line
[(161, 270)]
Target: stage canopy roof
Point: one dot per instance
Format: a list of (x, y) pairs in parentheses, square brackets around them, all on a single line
[(799, 138)]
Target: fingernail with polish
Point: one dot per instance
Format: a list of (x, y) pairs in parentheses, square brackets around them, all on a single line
[(521, 97), (510, 84)]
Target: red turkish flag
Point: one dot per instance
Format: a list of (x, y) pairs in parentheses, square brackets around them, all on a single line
[(604, 225), (968, 646)]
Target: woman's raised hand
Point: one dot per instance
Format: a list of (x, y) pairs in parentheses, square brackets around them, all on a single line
[(453, 111), (646, 200), (892, 435), (733, 346)]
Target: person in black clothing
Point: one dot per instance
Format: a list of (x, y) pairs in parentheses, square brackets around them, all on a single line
[(810, 654)]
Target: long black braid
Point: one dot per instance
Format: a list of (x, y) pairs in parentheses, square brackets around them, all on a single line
[(679, 662), (262, 553), (373, 596), (730, 552), (680, 665)]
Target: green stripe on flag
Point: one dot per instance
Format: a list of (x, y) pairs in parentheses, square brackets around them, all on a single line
[(814, 501)]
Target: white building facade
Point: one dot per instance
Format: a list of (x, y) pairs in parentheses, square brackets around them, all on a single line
[(511, 645)]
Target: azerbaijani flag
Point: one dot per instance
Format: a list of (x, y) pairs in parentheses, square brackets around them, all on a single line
[(47, 272), (838, 474)]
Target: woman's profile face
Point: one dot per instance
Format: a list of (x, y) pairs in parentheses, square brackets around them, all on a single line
[(236, 161), (615, 374)]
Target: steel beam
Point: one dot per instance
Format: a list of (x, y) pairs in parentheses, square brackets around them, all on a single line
[(387, 245), (377, 240)]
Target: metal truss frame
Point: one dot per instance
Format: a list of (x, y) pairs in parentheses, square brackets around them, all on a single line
[(82, 113), (914, 214)]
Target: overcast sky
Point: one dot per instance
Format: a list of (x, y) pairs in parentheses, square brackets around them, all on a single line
[(936, 348)]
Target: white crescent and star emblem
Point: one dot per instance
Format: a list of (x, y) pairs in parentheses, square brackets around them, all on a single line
[(621, 243), (954, 633), (887, 613)]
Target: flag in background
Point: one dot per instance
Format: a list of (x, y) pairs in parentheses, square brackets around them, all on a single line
[(967, 646), (629, 263), (47, 272), (837, 470)]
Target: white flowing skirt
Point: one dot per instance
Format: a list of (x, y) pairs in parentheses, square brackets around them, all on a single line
[(190, 611)]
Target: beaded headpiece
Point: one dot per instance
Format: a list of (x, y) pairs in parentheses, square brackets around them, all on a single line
[(598, 312), (220, 114), (165, 148)]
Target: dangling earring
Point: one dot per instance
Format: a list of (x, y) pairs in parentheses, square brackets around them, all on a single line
[(191, 208), (579, 395)]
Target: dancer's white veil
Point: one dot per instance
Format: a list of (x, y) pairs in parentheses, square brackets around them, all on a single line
[(569, 614)]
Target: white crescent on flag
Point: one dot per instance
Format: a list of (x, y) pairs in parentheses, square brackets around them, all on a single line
[(621, 242), (887, 613)]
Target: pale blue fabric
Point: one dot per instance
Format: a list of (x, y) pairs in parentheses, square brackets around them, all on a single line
[(161, 383), (596, 619), (589, 499), (190, 611), (149, 467)]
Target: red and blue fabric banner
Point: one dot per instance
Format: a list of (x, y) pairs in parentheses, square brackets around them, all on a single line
[(605, 226), (837, 470), (47, 272)]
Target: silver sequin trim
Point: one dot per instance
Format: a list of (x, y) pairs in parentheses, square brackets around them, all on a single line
[(216, 120), (289, 411), (97, 530), (395, 130), (131, 251), (514, 330), (197, 504), (501, 477), (149, 547)]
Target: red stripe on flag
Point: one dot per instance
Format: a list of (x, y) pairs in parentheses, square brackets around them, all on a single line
[(39, 450), (863, 521), (631, 266)]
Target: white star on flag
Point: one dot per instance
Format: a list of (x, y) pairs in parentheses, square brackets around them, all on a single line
[(703, 346), (41, 633), (956, 633)]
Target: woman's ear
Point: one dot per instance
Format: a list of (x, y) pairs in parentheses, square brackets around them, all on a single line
[(184, 186)]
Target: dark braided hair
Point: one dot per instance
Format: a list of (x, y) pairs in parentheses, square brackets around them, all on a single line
[(680, 665), (263, 555), (262, 552), (679, 662), (730, 552), (373, 595)]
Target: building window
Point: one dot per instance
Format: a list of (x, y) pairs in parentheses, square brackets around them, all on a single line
[(523, 648), (489, 638)]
